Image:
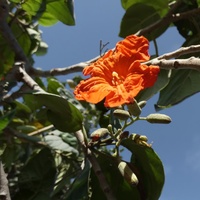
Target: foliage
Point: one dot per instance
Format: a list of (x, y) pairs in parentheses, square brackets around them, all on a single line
[(45, 145)]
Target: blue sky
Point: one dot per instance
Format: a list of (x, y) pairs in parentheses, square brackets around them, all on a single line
[(177, 144)]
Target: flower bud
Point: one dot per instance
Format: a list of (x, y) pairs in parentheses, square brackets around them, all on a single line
[(134, 109), (158, 118), (121, 114), (71, 83), (98, 134), (127, 173), (142, 104)]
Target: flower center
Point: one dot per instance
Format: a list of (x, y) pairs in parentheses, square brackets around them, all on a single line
[(116, 80)]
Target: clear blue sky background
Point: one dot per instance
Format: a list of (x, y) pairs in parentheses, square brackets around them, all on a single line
[(177, 144)]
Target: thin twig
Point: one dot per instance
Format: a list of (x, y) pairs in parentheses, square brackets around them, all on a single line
[(37, 132)]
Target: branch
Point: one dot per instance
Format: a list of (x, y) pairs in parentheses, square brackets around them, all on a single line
[(21, 75), (4, 190), (190, 63), (169, 18), (63, 71), (7, 34), (180, 52), (95, 165)]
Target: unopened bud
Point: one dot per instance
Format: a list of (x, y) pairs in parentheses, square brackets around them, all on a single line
[(142, 104), (134, 109), (98, 134), (158, 118), (121, 114), (71, 83), (127, 173)]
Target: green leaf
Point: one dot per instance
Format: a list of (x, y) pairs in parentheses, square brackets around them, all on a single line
[(69, 138), (183, 83), (36, 179), (62, 114), (54, 85), (6, 119), (80, 186), (50, 11), (59, 10), (151, 172), (7, 57), (56, 142), (139, 16), (34, 7), (159, 6), (162, 81), (47, 19), (189, 26), (120, 187), (22, 37)]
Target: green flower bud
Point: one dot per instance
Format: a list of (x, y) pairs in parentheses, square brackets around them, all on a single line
[(142, 104), (121, 114), (158, 118), (127, 173), (98, 134), (71, 83), (134, 109)]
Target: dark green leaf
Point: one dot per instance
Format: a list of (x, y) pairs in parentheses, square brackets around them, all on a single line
[(62, 114), (139, 16), (189, 26), (183, 83), (10, 155), (162, 81), (80, 186), (120, 187), (37, 177), (31, 102), (6, 119), (160, 6), (151, 172), (6, 57), (22, 37)]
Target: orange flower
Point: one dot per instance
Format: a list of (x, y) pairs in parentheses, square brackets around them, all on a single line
[(118, 76)]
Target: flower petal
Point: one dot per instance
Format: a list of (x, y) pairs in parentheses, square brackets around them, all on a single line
[(92, 90), (118, 96), (135, 47)]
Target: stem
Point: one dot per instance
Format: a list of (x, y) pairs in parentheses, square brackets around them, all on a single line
[(96, 167)]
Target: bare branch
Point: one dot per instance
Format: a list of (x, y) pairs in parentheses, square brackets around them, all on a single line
[(22, 76), (97, 170), (63, 71), (180, 52), (190, 63)]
